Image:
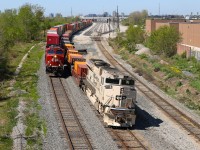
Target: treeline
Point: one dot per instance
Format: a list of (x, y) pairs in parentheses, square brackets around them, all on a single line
[(22, 25), (136, 18), (19, 25)]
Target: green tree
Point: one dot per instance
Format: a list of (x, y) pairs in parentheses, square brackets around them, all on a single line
[(136, 18), (8, 36), (134, 35), (30, 18), (164, 41), (8, 28)]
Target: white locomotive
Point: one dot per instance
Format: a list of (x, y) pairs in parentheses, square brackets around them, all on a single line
[(112, 93)]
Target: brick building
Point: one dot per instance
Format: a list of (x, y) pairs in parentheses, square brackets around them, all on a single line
[(152, 23), (191, 39), (190, 34)]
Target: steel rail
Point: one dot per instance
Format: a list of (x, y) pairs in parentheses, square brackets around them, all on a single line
[(74, 132)]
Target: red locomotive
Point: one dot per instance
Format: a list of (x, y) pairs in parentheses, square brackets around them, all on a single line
[(55, 59)]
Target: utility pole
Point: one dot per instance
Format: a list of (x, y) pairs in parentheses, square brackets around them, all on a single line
[(71, 11), (109, 26), (118, 19)]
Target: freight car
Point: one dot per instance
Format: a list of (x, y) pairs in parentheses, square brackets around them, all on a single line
[(112, 93)]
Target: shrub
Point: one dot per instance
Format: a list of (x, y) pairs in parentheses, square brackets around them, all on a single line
[(179, 83)]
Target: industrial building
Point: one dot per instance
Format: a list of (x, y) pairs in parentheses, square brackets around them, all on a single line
[(189, 29)]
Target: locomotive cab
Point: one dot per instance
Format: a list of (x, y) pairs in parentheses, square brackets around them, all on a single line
[(54, 60)]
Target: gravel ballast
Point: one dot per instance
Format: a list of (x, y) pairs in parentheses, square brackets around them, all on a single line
[(52, 139)]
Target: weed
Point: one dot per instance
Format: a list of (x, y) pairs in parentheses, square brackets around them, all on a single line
[(188, 91), (195, 84), (192, 105), (179, 83), (143, 56)]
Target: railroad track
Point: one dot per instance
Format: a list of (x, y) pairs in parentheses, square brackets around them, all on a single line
[(75, 135), (182, 119), (126, 139)]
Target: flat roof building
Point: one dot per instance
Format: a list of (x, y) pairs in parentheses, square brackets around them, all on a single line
[(190, 31)]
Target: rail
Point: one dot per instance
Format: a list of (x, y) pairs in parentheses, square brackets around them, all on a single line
[(74, 132)]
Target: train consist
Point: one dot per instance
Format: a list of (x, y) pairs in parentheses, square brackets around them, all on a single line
[(57, 39), (112, 93)]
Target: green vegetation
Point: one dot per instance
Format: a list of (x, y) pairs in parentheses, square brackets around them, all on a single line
[(16, 26), (27, 81), (58, 19), (136, 18), (164, 41), (24, 89), (129, 39)]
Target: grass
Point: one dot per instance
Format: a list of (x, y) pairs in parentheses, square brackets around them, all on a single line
[(26, 82), (195, 84)]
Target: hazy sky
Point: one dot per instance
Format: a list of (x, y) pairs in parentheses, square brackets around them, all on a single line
[(99, 6)]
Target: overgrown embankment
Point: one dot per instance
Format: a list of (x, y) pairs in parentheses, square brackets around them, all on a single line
[(21, 88), (177, 76)]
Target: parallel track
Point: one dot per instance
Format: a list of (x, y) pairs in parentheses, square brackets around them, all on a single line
[(100, 28), (182, 119), (74, 132)]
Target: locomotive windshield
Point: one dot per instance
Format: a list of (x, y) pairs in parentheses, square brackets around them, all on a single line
[(128, 82), (50, 51), (59, 52), (113, 81)]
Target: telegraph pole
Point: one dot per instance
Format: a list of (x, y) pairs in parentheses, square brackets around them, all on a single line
[(109, 26), (118, 19), (71, 11)]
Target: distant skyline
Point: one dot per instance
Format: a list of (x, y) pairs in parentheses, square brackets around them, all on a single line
[(154, 7)]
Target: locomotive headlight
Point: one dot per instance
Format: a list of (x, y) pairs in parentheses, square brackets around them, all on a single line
[(55, 56), (121, 90)]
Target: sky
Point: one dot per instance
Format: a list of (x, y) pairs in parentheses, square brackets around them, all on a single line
[(84, 7)]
